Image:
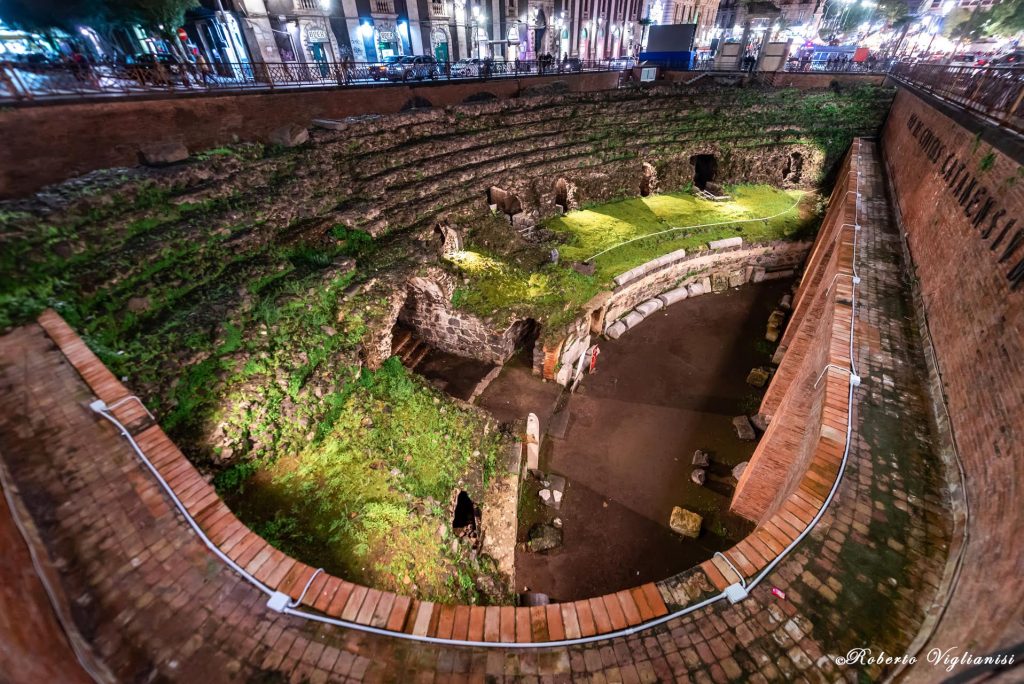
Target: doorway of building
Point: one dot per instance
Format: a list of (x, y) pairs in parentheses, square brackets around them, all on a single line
[(320, 57)]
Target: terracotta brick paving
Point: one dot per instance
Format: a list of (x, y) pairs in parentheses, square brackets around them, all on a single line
[(154, 602)]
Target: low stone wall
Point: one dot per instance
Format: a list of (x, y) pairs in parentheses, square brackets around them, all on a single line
[(721, 269), (428, 310)]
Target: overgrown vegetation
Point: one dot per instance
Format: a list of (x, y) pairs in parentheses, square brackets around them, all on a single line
[(554, 293)]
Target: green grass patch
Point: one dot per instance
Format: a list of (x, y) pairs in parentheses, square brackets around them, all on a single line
[(499, 288)]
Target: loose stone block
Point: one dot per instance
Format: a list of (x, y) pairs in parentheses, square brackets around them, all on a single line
[(673, 296), (695, 289), (744, 430), (737, 472), (758, 377), (719, 282), (697, 476), (706, 284), (289, 136), (684, 522), (701, 459), (757, 274), (615, 330), (633, 319), (737, 278), (162, 154), (787, 302), (726, 243), (759, 422), (650, 306)]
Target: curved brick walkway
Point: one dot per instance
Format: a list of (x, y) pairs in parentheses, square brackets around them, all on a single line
[(153, 601)]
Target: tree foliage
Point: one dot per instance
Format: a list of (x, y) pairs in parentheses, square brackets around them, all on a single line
[(1004, 20), (45, 15)]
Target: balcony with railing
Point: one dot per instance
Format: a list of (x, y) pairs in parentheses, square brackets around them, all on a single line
[(438, 8), (383, 6), (308, 5)]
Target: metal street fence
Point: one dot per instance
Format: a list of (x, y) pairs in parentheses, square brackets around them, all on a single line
[(994, 92), (20, 82)]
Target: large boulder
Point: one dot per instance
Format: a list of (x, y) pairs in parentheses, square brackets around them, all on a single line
[(686, 523)]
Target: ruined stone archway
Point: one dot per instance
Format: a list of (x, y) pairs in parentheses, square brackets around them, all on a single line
[(793, 171), (504, 201), (449, 238), (565, 196), (705, 169)]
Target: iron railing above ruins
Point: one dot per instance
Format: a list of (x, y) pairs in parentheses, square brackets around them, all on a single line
[(21, 82), (996, 93)]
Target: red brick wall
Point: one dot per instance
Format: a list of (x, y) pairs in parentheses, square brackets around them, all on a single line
[(48, 143), (976, 322), (796, 400)]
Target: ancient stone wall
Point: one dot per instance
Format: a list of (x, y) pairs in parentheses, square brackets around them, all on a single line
[(960, 196), (428, 310), (732, 266)]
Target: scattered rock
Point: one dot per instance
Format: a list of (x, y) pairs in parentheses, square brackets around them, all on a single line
[(138, 304), (291, 135), (758, 377), (328, 330), (544, 538), (759, 422), (775, 322), (557, 522), (684, 522), (162, 154), (585, 267), (737, 472), (787, 302), (694, 289), (545, 495), (701, 459), (744, 430), (697, 476), (726, 243)]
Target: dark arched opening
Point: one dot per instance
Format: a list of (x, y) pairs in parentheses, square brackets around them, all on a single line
[(705, 169), (794, 168), (562, 194), (465, 513)]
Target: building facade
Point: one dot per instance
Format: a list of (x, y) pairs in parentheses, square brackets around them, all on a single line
[(798, 16), (703, 13), (313, 31)]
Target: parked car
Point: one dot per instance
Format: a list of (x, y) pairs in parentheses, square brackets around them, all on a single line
[(159, 69), (467, 68), (410, 67), (1014, 58), (380, 70), (571, 64)]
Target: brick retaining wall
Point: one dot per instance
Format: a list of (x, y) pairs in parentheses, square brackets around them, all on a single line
[(976, 322), (48, 143)]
